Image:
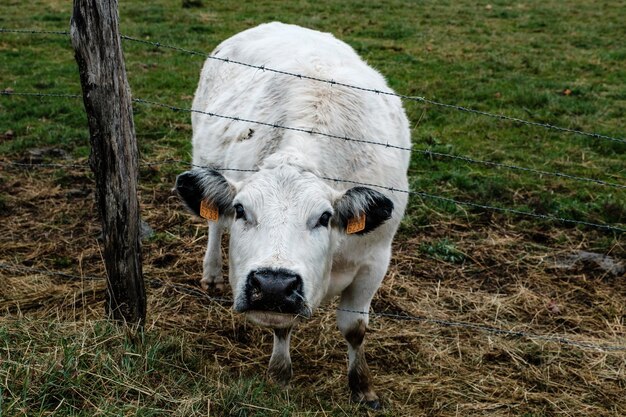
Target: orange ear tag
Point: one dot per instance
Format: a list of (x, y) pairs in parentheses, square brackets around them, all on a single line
[(209, 211), (356, 224)]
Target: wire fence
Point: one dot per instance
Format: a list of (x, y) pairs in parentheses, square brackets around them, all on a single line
[(426, 152), (421, 194), (78, 278), (342, 84), (193, 291)]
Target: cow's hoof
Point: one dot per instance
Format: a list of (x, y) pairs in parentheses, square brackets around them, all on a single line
[(280, 372), (281, 382), (281, 379), (374, 404), (212, 282)]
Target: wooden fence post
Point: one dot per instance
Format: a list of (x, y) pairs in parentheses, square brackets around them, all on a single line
[(106, 95)]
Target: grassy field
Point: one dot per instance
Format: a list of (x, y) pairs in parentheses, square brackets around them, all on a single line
[(554, 62)]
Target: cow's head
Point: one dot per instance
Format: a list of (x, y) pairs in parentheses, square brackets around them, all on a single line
[(284, 226)]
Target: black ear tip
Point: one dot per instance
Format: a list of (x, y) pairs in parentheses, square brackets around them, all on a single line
[(383, 207), (386, 203), (185, 181), (376, 207)]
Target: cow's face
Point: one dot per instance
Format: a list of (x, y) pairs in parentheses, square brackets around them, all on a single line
[(284, 226)]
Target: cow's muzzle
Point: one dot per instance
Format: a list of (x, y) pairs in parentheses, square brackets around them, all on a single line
[(275, 291)]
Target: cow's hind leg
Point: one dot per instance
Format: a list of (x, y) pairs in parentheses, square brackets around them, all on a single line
[(352, 323), (280, 363), (212, 265)]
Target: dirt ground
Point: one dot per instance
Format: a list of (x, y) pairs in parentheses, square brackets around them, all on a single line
[(539, 279)]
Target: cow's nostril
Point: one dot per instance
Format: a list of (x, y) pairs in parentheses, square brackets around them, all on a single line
[(294, 285), (255, 280)]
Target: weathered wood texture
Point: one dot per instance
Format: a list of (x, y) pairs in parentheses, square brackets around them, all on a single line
[(106, 94)]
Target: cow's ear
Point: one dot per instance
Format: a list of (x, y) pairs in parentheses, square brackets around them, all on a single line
[(205, 184), (361, 210)]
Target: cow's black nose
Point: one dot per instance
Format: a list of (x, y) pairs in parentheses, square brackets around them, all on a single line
[(275, 283), (278, 290)]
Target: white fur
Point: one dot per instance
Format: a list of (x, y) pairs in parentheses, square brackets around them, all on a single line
[(286, 197)]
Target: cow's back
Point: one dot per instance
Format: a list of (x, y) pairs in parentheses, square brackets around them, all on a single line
[(248, 93)]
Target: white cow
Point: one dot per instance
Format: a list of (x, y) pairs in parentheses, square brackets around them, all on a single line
[(290, 249)]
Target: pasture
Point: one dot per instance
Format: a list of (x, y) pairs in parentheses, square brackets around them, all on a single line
[(548, 62)]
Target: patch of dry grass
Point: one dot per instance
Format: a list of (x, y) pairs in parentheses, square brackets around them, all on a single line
[(201, 355)]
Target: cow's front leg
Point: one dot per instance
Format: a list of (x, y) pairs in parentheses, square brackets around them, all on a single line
[(280, 363), (352, 323), (212, 265)]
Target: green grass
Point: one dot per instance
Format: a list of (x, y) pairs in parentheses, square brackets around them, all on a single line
[(443, 250), (98, 368), (513, 58), (103, 368)]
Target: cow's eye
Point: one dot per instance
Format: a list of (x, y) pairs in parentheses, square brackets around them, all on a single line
[(324, 219), (240, 212)]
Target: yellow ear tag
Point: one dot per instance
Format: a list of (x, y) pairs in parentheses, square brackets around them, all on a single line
[(356, 224), (209, 211)]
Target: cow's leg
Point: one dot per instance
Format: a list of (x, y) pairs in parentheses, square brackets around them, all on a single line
[(280, 363), (356, 298), (212, 265)]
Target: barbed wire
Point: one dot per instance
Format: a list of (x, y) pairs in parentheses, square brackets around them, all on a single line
[(273, 125), (142, 164), (10, 92), (406, 317), (43, 165), (377, 91), (485, 206), (35, 31), (347, 85), (441, 322), (422, 194), (425, 152), (312, 132), (428, 152), (28, 269), (152, 281), (491, 329)]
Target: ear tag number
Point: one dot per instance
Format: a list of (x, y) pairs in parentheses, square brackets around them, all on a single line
[(209, 211), (356, 224)]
